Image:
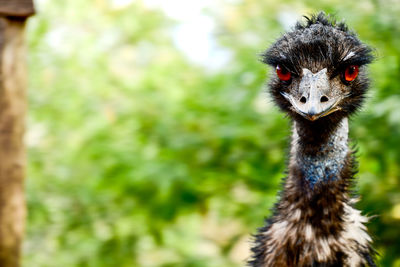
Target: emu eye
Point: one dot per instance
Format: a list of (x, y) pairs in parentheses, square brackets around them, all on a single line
[(350, 73), (283, 74)]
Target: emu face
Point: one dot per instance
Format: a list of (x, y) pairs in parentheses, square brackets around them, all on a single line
[(319, 71), (314, 95)]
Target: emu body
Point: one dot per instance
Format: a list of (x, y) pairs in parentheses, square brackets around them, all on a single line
[(314, 223)]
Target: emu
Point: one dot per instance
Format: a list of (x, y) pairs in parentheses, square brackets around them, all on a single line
[(319, 80)]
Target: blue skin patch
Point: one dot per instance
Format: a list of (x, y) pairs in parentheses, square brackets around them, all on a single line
[(321, 172)]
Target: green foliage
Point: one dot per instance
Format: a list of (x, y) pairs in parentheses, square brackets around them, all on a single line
[(140, 157)]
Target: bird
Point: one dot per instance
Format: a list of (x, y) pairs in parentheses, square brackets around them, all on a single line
[(319, 78)]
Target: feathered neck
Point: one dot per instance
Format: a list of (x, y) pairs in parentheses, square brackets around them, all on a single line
[(320, 154), (314, 223)]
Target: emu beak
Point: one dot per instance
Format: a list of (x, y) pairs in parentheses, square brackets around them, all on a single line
[(313, 110), (316, 97)]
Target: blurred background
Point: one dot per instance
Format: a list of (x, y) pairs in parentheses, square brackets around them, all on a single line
[(152, 140)]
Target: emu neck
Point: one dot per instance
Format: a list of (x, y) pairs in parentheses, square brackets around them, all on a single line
[(319, 153), (314, 223)]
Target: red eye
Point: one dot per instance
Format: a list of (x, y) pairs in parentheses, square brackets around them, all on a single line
[(351, 73), (283, 74)]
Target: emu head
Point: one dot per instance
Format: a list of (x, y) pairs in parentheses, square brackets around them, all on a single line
[(319, 70)]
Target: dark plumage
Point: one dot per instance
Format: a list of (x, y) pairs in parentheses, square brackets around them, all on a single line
[(320, 80)]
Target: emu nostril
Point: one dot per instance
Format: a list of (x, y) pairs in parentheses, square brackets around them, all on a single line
[(303, 99), (324, 99)]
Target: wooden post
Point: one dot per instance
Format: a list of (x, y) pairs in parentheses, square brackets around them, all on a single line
[(13, 14)]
